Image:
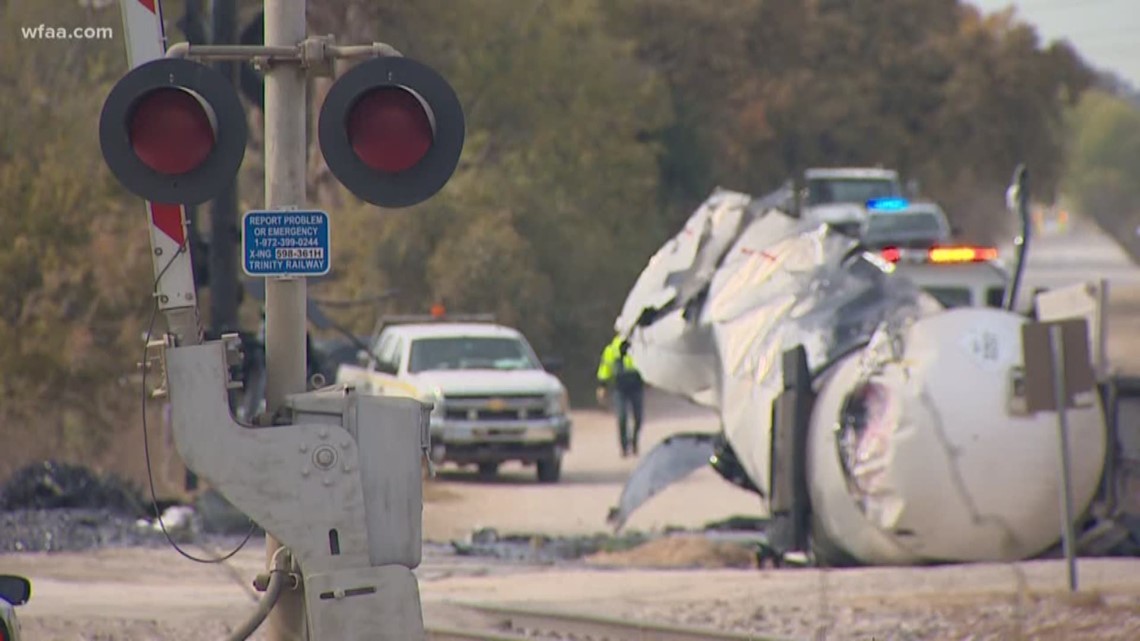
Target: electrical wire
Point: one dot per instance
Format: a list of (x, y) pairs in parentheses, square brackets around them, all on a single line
[(146, 437)]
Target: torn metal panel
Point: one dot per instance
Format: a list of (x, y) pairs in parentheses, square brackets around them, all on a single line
[(777, 283), (668, 462)]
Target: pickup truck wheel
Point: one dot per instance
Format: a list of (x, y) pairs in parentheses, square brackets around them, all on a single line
[(488, 470), (549, 469)]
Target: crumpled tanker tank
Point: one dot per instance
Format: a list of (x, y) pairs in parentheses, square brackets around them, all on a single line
[(913, 452)]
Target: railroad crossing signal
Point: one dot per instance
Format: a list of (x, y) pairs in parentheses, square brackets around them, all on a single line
[(391, 130), (173, 131)]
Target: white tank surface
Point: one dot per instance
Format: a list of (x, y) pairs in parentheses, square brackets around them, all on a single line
[(916, 457)]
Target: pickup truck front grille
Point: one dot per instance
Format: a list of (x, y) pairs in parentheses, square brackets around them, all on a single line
[(494, 408), (490, 415)]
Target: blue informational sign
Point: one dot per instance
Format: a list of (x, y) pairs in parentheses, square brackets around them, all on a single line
[(285, 243)]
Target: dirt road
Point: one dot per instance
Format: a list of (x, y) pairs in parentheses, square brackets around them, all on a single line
[(154, 594), (592, 478), (137, 595)]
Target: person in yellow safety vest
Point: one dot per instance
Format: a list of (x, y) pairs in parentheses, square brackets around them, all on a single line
[(617, 370)]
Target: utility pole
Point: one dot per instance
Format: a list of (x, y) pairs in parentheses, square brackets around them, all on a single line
[(285, 298), (224, 238)]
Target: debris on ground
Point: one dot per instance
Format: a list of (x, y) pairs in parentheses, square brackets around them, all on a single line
[(739, 524), (177, 520), (541, 549), (214, 514), (71, 530), (674, 548), (53, 485), (60, 507), (686, 551)]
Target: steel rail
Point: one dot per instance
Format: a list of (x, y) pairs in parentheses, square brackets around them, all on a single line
[(525, 624)]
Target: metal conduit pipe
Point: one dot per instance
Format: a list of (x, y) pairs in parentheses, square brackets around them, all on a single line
[(277, 578)]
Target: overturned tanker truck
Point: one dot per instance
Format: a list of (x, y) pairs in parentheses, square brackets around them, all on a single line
[(875, 426)]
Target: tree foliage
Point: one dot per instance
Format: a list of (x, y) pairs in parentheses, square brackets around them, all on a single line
[(569, 103), (593, 128), (74, 257), (555, 205), (1104, 163), (949, 97)]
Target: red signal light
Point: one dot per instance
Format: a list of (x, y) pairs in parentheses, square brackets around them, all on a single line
[(389, 129), (170, 131), (173, 131)]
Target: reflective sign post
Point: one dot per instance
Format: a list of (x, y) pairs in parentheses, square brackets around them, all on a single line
[(1059, 377), (1057, 342)]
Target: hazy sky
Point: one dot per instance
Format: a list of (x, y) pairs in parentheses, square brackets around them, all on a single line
[(1106, 32)]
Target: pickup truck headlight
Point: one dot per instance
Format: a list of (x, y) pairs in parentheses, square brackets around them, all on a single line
[(558, 403)]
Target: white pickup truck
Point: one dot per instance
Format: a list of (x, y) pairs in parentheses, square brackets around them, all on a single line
[(493, 399), (838, 196)]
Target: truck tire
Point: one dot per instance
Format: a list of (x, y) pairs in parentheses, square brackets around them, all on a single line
[(489, 469), (549, 469)]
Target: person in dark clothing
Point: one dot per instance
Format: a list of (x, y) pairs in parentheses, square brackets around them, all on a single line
[(617, 371)]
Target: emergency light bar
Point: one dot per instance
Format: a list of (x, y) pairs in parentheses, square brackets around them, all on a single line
[(887, 204), (962, 254), (941, 255)]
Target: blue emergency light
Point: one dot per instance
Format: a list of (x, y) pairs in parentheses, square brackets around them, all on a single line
[(887, 204)]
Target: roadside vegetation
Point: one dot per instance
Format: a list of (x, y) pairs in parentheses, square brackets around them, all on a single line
[(594, 129)]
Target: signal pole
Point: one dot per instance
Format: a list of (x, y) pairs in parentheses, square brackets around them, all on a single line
[(223, 214), (285, 298), (319, 485)]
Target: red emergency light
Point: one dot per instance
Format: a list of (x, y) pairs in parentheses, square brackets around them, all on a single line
[(962, 254), (944, 255)]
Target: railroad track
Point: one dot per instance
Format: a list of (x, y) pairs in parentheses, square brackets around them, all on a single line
[(511, 624)]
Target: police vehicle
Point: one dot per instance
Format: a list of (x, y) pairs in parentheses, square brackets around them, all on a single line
[(902, 223), (916, 238), (956, 275)]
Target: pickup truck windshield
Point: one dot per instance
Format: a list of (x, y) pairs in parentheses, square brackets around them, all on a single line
[(469, 352), (823, 191), (903, 227)]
